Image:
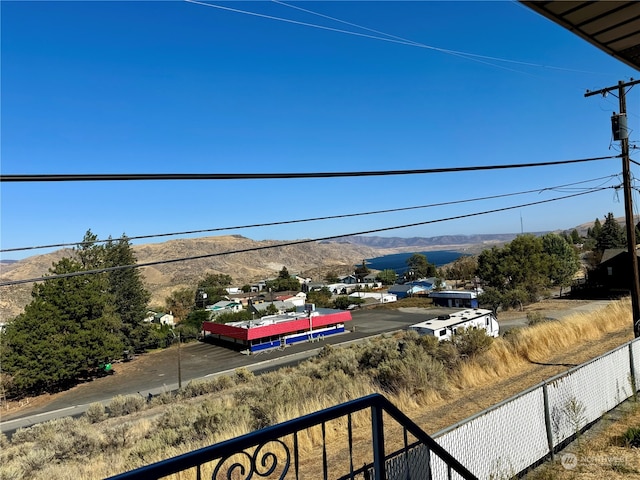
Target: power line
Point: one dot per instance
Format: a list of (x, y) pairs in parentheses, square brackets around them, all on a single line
[(332, 217), (287, 244), (93, 177), (393, 38)]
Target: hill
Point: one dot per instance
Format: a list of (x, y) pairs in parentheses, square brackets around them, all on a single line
[(254, 262)]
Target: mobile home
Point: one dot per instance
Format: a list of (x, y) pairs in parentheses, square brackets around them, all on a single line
[(445, 326)]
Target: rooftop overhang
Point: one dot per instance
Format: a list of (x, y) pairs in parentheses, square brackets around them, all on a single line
[(612, 26)]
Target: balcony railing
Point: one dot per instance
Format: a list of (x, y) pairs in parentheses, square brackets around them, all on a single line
[(275, 452)]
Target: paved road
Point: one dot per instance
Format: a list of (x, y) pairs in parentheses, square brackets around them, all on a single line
[(203, 360)]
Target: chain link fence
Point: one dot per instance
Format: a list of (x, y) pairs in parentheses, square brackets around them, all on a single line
[(508, 438)]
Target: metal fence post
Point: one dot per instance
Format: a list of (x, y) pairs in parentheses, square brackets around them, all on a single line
[(547, 419), (377, 431), (632, 372)]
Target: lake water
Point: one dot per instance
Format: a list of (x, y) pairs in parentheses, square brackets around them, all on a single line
[(398, 261)]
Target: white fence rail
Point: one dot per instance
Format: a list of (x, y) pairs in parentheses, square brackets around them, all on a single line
[(510, 437)]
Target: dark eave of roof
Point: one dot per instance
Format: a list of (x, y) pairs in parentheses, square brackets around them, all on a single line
[(612, 26)]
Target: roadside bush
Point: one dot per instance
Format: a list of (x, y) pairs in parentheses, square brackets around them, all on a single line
[(471, 342), (126, 404), (165, 398), (534, 318), (61, 438), (415, 373), (375, 353), (243, 375), (338, 359), (447, 354), (195, 388), (95, 413)]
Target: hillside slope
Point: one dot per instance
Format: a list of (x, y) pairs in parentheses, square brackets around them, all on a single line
[(256, 262)]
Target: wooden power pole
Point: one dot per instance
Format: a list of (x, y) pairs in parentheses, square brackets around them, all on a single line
[(621, 133)]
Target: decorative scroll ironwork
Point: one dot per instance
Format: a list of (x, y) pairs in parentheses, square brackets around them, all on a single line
[(261, 463), (263, 453)]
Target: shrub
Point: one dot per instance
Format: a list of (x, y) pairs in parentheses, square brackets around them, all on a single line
[(4, 441), (11, 472), (632, 437), (36, 459), (416, 372), (243, 375), (471, 341), (126, 404), (223, 382), (533, 318), (165, 398), (378, 352), (95, 413), (118, 436)]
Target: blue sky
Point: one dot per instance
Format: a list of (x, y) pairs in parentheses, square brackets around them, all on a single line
[(178, 87)]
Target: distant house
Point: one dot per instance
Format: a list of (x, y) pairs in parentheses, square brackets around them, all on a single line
[(455, 298), (348, 279), (380, 297), (261, 307), (613, 272), (160, 318), (224, 306), (298, 299), (370, 278), (408, 290)]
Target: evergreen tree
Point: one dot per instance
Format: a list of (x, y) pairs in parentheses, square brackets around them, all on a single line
[(575, 237), (67, 331), (362, 271), (563, 260), (130, 296), (419, 267), (611, 235), (595, 231), (213, 285)]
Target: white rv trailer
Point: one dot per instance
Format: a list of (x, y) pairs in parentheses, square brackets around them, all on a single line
[(445, 326)]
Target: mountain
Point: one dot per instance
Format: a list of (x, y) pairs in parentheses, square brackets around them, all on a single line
[(254, 261), (440, 242)]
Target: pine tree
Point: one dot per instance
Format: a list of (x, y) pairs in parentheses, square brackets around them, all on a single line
[(130, 296), (67, 331), (611, 235)]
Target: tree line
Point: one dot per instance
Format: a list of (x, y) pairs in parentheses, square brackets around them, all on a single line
[(75, 326)]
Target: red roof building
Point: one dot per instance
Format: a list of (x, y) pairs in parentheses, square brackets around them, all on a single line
[(278, 331)]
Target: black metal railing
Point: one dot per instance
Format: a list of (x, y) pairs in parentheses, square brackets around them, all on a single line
[(274, 452)]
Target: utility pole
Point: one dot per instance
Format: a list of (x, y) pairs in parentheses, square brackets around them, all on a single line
[(620, 133)]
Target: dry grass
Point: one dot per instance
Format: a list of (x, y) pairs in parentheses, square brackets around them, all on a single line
[(419, 378), (600, 454), (537, 343)]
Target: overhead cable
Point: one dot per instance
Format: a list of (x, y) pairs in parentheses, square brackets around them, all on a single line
[(332, 217), (287, 244), (388, 38), (100, 177)]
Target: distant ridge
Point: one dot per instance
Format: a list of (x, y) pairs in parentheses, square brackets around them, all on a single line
[(440, 241)]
